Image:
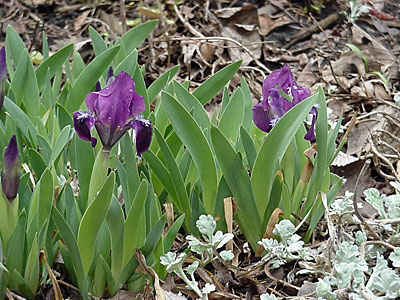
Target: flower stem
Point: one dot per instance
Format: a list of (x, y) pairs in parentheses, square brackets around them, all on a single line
[(8, 216), (99, 174)]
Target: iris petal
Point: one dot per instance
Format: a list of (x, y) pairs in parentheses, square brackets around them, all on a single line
[(144, 130), (83, 124), (117, 103), (280, 92), (310, 135), (282, 78), (111, 111), (261, 117)]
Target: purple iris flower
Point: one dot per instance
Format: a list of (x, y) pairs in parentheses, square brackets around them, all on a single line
[(113, 111), (3, 75), (10, 173), (277, 88)]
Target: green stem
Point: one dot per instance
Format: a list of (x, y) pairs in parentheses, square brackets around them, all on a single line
[(193, 286), (8, 216), (99, 174)]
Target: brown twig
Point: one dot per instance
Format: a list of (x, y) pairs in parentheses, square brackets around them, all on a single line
[(277, 280), (384, 159), (307, 32)]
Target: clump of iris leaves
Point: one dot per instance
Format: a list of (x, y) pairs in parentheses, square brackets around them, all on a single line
[(88, 166)]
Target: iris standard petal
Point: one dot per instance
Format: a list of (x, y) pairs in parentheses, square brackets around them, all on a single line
[(91, 99), (276, 103), (10, 174), (310, 135), (113, 105), (282, 78), (299, 93), (261, 117), (137, 105), (144, 130), (83, 124)]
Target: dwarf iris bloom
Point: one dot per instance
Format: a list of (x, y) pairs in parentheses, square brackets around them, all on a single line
[(113, 111), (277, 88)]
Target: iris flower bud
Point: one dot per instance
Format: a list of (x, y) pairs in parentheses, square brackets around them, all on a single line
[(10, 173)]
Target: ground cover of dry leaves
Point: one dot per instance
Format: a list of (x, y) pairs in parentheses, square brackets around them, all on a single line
[(310, 36)]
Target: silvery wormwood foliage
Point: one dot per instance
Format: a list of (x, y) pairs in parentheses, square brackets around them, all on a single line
[(290, 247), (343, 204), (388, 207), (205, 249), (349, 272), (350, 269)]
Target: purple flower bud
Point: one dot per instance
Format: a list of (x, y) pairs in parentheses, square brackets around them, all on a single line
[(110, 76), (11, 170), (98, 86), (3, 75), (144, 130)]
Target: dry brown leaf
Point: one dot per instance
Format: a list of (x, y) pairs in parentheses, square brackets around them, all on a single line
[(150, 13), (79, 21), (308, 288), (36, 3), (246, 27), (228, 209), (306, 77), (112, 21), (380, 92), (150, 271), (126, 295), (379, 57), (267, 24), (228, 12), (240, 24), (273, 220), (343, 159), (188, 51), (172, 296), (169, 211), (358, 137), (207, 51)]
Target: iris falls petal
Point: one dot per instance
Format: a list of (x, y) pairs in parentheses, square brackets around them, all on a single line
[(144, 130), (83, 124)]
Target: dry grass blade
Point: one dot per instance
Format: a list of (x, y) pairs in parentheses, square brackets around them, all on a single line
[(54, 282), (160, 295)]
